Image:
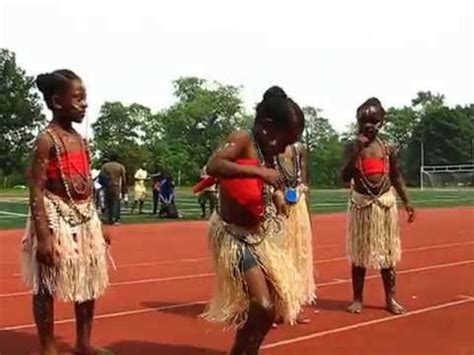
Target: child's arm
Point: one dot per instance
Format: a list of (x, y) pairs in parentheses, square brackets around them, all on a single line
[(222, 163), (352, 153), (398, 183), (38, 179)]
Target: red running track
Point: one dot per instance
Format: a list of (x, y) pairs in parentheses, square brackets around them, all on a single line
[(164, 278)]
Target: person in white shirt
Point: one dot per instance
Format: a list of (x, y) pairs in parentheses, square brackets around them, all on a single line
[(98, 191), (139, 189)]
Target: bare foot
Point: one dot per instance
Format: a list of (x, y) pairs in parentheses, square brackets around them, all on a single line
[(91, 351), (45, 352), (49, 350), (303, 320), (394, 307), (355, 307)]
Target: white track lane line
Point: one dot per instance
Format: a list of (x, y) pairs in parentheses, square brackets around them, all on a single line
[(184, 305), (387, 319)]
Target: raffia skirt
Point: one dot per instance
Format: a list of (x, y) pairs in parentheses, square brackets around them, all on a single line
[(80, 272), (228, 243), (373, 238), (300, 247)]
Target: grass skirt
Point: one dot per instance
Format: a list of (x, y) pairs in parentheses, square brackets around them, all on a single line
[(80, 272), (374, 232), (230, 303), (299, 244)]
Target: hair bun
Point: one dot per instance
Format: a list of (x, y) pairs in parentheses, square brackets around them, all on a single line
[(43, 82), (274, 92)]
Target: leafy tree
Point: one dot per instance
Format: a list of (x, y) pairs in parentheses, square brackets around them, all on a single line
[(400, 125), (445, 132), (425, 100), (186, 133), (324, 147), (20, 115), (447, 136), (120, 125), (120, 129)]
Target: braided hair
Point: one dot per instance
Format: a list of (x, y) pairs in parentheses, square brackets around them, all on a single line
[(56, 82)]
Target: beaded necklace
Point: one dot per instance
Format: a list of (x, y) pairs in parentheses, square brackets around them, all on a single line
[(292, 179), (76, 216), (86, 178), (379, 185), (267, 196)]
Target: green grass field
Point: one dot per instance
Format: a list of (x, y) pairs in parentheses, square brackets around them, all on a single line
[(14, 204)]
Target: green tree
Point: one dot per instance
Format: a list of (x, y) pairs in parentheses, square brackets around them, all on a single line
[(20, 115), (120, 125), (324, 147), (447, 135), (120, 129), (400, 125), (426, 100), (445, 132), (185, 134)]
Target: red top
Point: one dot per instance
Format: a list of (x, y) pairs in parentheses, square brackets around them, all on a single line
[(73, 164), (373, 166), (247, 192)]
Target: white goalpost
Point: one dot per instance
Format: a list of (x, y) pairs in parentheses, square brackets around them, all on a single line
[(449, 176)]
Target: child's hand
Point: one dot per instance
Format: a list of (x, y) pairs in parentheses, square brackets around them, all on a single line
[(45, 251), (280, 203), (411, 213), (271, 177), (361, 142)]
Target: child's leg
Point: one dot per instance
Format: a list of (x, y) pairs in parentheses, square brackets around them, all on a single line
[(358, 276), (84, 319), (388, 277), (43, 311), (260, 317)]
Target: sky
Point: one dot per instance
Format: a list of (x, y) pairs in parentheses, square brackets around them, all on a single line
[(328, 54)]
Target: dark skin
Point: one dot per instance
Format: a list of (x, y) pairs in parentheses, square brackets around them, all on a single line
[(239, 145), (68, 107), (272, 141), (367, 145)]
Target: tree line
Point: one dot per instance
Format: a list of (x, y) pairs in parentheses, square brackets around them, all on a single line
[(179, 139)]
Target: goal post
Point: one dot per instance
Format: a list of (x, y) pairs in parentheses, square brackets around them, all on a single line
[(447, 176), (454, 176)]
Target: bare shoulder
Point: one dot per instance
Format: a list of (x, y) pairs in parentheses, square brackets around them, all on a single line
[(348, 147), (301, 148), (238, 141), (43, 142), (240, 136), (391, 147)]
